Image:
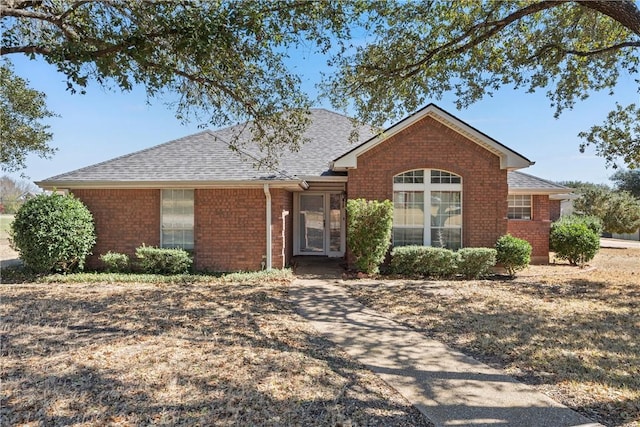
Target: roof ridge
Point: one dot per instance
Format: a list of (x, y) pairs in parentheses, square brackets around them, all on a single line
[(124, 156)]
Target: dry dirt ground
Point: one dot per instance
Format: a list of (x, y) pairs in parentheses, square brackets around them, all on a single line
[(573, 334), (192, 354)]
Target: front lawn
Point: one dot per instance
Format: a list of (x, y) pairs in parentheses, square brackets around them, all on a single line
[(573, 334), (199, 353)]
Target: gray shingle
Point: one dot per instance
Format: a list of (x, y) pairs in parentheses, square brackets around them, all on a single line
[(523, 181), (206, 156)]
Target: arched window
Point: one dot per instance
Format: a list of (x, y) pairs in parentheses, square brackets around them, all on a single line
[(427, 209)]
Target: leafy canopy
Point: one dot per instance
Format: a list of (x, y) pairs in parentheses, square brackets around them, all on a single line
[(223, 60), (422, 50), (226, 60), (22, 111), (627, 180), (619, 211)]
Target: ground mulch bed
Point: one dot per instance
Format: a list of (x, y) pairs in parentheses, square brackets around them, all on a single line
[(572, 333), (185, 354)]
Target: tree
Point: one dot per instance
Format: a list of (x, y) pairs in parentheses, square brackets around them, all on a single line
[(13, 193), (619, 211), (53, 233), (21, 111), (222, 59), (420, 50), (628, 180), (227, 59)]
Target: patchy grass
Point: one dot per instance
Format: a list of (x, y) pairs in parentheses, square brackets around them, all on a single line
[(190, 353), (19, 274), (5, 224), (573, 334)]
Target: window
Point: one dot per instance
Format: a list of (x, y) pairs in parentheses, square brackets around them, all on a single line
[(177, 219), (427, 213), (519, 207)]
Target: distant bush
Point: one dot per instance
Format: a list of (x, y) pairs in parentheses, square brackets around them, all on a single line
[(476, 262), (163, 261), (115, 262), (53, 233), (424, 261), (514, 254), (574, 240), (369, 232)]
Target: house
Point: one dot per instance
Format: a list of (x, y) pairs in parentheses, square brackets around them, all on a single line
[(451, 185)]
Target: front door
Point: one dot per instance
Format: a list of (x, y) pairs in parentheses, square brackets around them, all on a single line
[(320, 224)]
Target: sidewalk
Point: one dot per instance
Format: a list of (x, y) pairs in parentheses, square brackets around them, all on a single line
[(448, 387)]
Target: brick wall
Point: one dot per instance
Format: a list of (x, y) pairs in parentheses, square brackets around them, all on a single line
[(230, 225), (429, 144), (554, 209), (124, 220), (536, 230)]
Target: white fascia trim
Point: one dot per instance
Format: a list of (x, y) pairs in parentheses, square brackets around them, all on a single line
[(508, 159), (73, 185), (536, 191), (311, 178)]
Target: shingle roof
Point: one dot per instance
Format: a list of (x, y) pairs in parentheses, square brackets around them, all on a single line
[(519, 181), (206, 156)]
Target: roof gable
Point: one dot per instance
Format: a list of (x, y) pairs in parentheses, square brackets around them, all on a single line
[(509, 159)]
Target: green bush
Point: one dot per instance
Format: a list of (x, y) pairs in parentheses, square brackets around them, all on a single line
[(115, 262), (369, 232), (514, 254), (476, 262), (574, 241), (424, 261), (53, 233), (163, 261), (591, 221)]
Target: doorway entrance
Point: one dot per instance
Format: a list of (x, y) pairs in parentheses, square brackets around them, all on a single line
[(319, 224)]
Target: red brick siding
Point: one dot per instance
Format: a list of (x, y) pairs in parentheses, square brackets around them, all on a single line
[(229, 229), (554, 209), (124, 220), (230, 225), (536, 230), (429, 144)]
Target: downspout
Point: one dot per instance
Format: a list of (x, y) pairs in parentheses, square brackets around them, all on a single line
[(268, 196)]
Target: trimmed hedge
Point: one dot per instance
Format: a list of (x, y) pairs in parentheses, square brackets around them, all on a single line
[(115, 262), (442, 263), (574, 239), (53, 233), (476, 262), (163, 261), (369, 225), (513, 253)]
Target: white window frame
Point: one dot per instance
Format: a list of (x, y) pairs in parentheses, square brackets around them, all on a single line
[(427, 187), (173, 192), (515, 201)]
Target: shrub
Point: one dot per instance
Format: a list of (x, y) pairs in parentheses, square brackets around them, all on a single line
[(163, 261), (574, 241), (424, 261), (115, 262), (591, 221), (53, 233), (514, 254), (369, 232), (476, 262)]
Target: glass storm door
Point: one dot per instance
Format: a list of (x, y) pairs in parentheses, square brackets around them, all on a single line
[(321, 224), (312, 224)]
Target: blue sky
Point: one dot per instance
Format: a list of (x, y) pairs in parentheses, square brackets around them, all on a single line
[(104, 124)]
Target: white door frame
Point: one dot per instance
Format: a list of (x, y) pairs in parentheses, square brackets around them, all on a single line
[(327, 221)]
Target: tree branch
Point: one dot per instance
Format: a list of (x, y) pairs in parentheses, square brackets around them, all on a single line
[(625, 12)]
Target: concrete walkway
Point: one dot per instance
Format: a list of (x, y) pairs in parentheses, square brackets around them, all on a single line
[(449, 388)]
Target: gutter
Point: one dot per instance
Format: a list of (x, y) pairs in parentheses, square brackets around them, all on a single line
[(267, 194)]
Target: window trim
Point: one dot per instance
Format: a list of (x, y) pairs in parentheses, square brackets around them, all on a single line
[(427, 187), (193, 200), (530, 196)]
